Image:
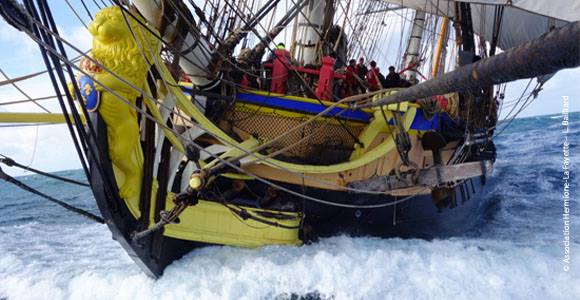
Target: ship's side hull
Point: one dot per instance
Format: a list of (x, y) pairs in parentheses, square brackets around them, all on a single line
[(416, 217), (152, 253)]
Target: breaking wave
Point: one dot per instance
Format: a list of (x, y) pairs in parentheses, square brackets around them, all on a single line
[(515, 252)]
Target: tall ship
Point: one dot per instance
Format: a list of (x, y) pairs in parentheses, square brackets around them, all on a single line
[(251, 123)]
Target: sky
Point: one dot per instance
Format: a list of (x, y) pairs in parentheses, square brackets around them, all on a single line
[(50, 148)]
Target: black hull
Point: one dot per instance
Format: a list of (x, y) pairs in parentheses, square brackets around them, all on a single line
[(152, 253), (417, 217)]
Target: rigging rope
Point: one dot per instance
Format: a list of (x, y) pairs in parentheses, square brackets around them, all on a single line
[(32, 75), (11, 163), (529, 99), (200, 148), (27, 100), (64, 59), (13, 83), (63, 204)]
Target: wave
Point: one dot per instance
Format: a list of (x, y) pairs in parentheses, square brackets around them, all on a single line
[(337, 268), (514, 252)]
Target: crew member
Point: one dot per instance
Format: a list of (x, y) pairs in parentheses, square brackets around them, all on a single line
[(393, 79), (361, 71), (413, 79), (280, 46), (352, 86), (373, 77)]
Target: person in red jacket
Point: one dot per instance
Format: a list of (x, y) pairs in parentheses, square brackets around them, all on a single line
[(373, 77), (352, 87), (361, 72)]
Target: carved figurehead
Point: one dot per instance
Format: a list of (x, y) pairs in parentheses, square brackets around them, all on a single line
[(125, 51)]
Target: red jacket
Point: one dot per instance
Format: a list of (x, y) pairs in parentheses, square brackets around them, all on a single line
[(373, 79), (350, 79)]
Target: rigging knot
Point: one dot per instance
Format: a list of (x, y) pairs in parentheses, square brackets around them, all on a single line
[(8, 161), (14, 14)]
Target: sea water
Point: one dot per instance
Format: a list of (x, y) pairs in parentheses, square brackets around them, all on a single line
[(516, 250)]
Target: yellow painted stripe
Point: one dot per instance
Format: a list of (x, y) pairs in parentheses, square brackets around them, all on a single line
[(188, 108), (33, 118), (211, 222)]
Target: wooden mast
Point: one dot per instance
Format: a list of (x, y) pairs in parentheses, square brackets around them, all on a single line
[(544, 55), (441, 44)]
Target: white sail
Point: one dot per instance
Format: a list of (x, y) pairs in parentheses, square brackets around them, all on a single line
[(523, 20)]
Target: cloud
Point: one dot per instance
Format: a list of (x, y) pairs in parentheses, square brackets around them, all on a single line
[(549, 101), (20, 40), (78, 36), (47, 147)]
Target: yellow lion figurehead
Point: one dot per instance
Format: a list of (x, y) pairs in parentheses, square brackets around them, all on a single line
[(124, 50)]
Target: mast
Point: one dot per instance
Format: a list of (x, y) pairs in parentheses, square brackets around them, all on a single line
[(412, 54), (544, 55), (260, 48), (467, 53), (197, 58), (439, 58), (309, 29)]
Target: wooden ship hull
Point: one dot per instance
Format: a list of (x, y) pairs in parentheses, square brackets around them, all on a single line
[(175, 166), (418, 217), (425, 203)]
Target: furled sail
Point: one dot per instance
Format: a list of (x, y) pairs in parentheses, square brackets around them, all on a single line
[(521, 21)]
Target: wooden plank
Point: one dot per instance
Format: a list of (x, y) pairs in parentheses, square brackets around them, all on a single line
[(431, 177)]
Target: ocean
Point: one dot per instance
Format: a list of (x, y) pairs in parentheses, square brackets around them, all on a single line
[(515, 251)]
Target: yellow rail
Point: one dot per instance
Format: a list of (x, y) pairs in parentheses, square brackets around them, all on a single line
[(10, 117)]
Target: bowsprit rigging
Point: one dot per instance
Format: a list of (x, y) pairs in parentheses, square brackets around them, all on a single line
[(253, 123), (11, 163)]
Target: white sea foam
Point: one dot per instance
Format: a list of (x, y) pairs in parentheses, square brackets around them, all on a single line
[(514, 253), (94, 267)]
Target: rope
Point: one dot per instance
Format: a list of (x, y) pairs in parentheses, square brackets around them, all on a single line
[(32, 75), (529, 99), (27, 100), (11, 163), (63, 204), (12, 82), (16, 79), (27, 125), (166, 218), (232, 165), (245, 215), (77, 15)]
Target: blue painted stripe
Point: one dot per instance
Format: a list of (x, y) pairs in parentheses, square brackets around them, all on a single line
[(299, 106), (419, 122), (305, 107), (435, 123)]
